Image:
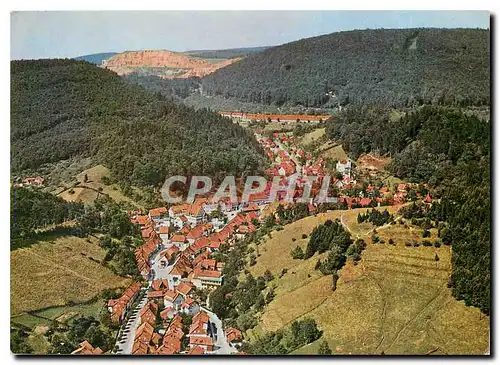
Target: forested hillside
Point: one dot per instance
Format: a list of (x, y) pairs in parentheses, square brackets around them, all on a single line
[(31, 209), (450, 150), (95, 58), (224, 53), (392, 67), (65, 108)]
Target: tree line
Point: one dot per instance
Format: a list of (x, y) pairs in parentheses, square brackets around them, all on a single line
[(449, 149)]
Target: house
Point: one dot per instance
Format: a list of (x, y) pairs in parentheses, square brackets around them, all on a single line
[(163, 232), (428, 198), (181, 268), (140, 348), (402, 188), (157, 213), (190, 307), (205, 278), (184, 288), (233, 335), (206, 343), (196, 214), (179, 240), (172, 299), (87, 349), (196, 350), (168, 312), (143, 335), (159, 285), (200, 245), (118, 307), (198, 231), (178, 210), (155, 295), (207, 264), (171, 345), (168, 255), (148, 316), (33, 180), (344, 167)]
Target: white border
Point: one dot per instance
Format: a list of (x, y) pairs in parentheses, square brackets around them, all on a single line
[(8, 6)]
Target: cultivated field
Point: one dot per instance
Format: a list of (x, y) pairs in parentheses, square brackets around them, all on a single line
[(395, 300), (58, 272)]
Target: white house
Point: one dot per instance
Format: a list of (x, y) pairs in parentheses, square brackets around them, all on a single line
[(344, 167)]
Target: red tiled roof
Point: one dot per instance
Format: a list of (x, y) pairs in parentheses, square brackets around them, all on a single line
[(163, 230), (178, 238), (157, 211), (196, 350), (201, 340), (184, 288)]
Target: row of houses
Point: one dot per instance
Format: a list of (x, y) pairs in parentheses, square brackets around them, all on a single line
[(118, 307), (285, 118)]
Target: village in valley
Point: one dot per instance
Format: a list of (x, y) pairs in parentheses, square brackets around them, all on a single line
[(195, 190), (176, 260)]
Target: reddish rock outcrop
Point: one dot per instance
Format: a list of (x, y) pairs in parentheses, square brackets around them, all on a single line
[(177, 64)]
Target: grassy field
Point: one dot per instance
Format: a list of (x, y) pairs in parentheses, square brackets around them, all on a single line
[(395, 300), (87, 192), (312, 136), (333, 151), (58, 272)]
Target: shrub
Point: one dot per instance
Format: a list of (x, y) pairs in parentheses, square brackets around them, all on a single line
[(297, 253), (437, 244), (294, 239), (391, 241), (416, 244), (304, 235), (426, 233), (426, 243), (408, 244)]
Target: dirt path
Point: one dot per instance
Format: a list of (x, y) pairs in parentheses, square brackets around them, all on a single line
[(55, 264), (415, 317)]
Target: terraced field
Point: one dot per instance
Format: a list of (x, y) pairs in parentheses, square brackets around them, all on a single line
[(394, 301)]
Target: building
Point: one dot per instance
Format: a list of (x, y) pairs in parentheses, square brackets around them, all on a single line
[(344, 167), (87, 349)]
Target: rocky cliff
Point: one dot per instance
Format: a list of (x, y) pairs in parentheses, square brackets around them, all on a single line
[(165, 64)]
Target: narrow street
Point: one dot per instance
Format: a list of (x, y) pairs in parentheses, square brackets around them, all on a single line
[(126, 344), (224, 347)]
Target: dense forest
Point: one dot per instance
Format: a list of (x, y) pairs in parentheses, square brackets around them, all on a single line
[(66, 108), (450, 150), (403, 67), (225, 53), (31, 209)]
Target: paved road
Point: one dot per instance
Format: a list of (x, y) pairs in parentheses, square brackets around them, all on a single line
[(224, 347), (127, 342)]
